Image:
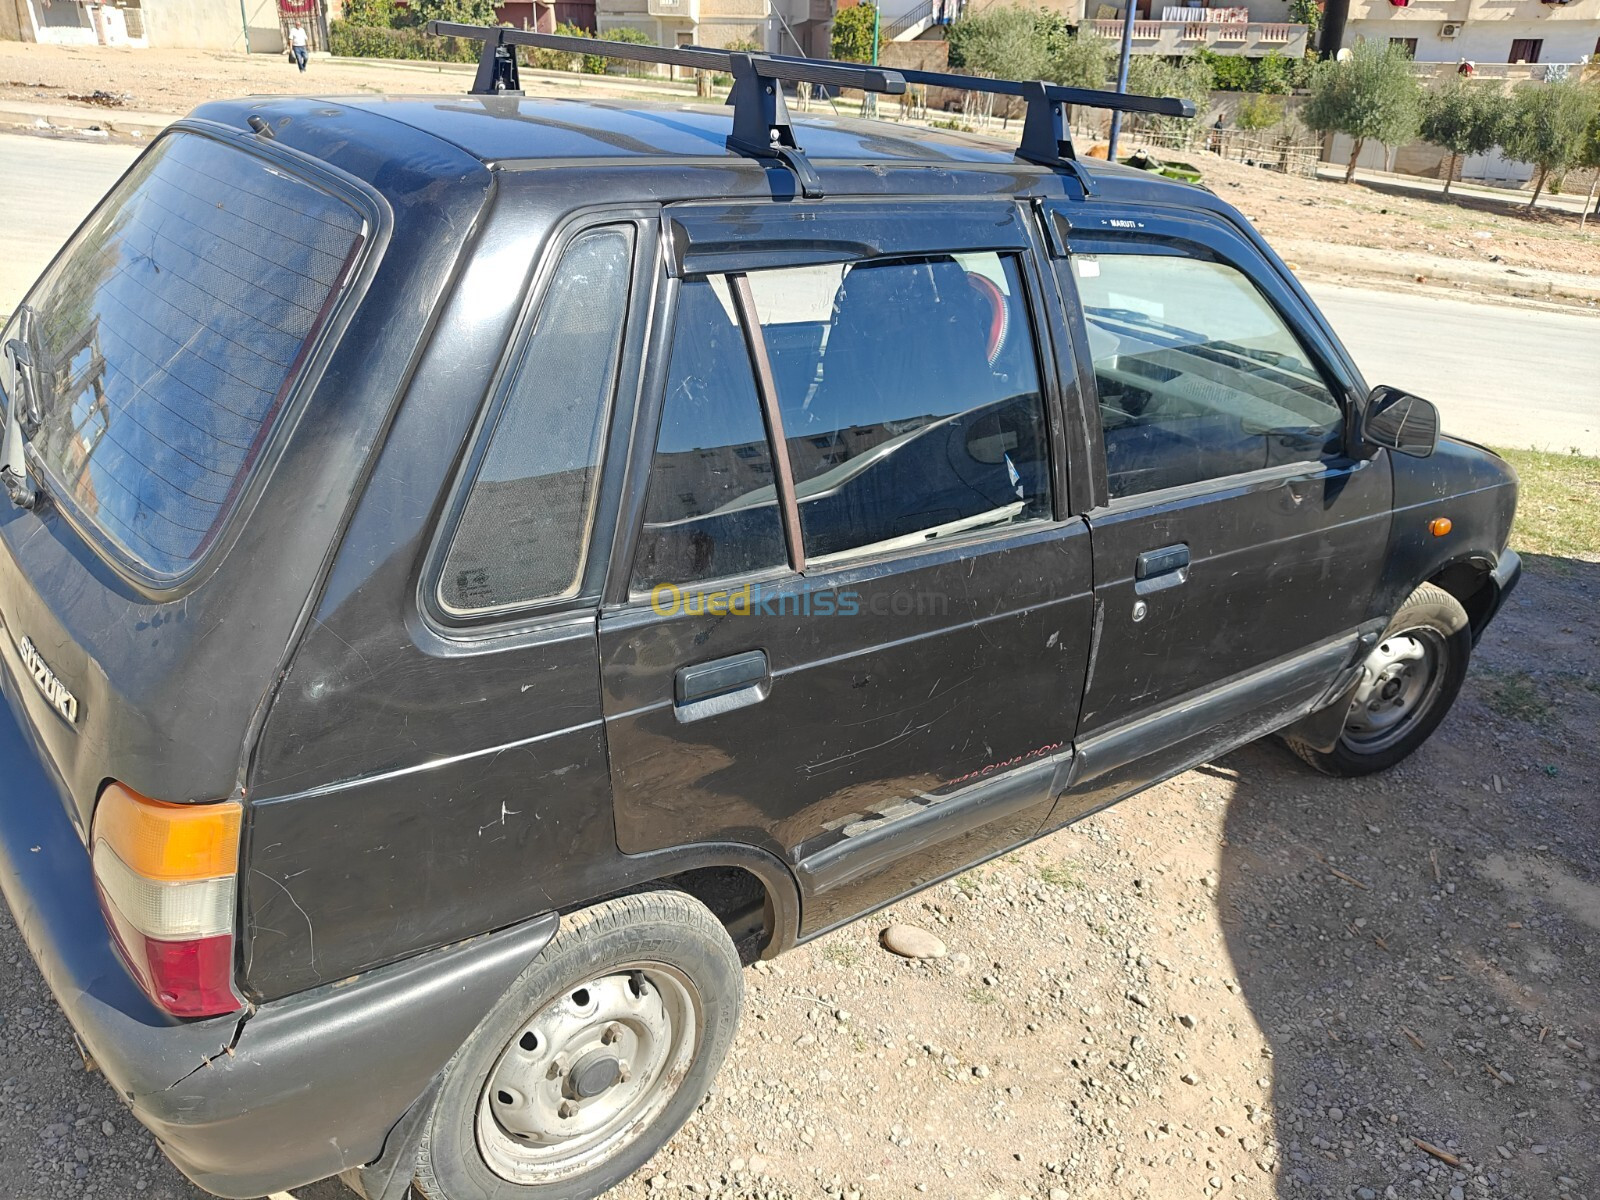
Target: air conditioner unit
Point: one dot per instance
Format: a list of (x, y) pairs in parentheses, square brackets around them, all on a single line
[(1450, 29)]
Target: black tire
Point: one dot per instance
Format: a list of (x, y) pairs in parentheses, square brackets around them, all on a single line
[(1430, 618), (652, 942)]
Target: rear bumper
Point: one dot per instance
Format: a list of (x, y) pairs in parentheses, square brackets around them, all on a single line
[(297, 1090)]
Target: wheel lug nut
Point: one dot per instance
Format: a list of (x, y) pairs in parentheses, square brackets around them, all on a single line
[(610, 1034), (624, 1072), (568, 1110), (558, 1068)]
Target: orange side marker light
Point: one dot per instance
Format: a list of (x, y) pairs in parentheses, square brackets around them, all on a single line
[(1440, 526)]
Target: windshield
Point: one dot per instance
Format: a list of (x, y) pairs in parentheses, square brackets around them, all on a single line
[(168, 337)]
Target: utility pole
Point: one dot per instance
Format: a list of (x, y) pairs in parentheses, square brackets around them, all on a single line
[(244, 25), (1122, 81), (869, 100)]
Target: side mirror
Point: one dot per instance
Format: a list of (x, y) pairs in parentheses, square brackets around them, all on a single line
[(1401, 422)]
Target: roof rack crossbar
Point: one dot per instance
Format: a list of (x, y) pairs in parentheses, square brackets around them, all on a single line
[(761, 126)]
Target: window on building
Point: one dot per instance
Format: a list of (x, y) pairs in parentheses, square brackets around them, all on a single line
[(1525, 50), (1409, 45), (1199, 378)]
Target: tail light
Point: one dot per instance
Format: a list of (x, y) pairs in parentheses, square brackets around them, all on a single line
[(168, 881)]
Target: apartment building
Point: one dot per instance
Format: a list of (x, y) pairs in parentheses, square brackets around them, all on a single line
[(1481, 31), (256, 26), (778, 26)]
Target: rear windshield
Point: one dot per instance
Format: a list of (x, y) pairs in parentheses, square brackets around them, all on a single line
[(167, 339)]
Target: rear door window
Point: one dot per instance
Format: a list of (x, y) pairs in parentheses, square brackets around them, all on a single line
[(712, 509), (910, 397), (170, 335), (909, 405)]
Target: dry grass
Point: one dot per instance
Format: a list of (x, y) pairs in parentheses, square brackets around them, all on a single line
[(1558, 507)]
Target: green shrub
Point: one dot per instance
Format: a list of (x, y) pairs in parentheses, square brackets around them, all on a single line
[(852, 33), (1258, 112), (375, 14), (633, 37), (368, 41)]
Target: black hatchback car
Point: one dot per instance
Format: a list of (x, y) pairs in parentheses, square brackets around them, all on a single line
[(477, 568)]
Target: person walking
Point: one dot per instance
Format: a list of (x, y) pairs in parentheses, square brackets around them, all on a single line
[(297, 44)]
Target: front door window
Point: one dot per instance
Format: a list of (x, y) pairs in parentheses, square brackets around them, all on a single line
[(1198, 375)]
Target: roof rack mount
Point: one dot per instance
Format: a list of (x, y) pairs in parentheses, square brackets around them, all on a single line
[(761, 126)]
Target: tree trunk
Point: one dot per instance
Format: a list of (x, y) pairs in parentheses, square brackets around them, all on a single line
[(1355, 153), (1450, 175), (1594, 183), (1538, 186)]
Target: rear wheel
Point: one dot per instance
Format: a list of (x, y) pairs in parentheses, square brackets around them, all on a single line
[(1408, 684), (593, 1059)]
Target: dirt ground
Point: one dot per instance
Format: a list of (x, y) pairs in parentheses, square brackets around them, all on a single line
[(1249, 982), (175, 81), (1290, 209)]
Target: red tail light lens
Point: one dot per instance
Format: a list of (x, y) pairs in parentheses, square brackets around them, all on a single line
[(167, 875)]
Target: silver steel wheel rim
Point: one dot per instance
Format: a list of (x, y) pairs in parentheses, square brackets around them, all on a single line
[(591, 1071), (1399, 682)]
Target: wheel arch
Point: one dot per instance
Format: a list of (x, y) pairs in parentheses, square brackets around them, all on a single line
[(752, 891), (1471, 580)]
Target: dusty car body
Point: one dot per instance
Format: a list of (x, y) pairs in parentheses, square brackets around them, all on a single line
[(498, 542)]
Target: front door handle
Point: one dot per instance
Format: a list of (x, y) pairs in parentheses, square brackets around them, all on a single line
[(1157, 570), (721, 685)]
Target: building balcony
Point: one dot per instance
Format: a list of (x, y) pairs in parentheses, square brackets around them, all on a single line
[(1252, 39), (682, 10)]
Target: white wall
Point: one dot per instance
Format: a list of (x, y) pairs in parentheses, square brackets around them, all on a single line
[(1485, 41), (213, 25)]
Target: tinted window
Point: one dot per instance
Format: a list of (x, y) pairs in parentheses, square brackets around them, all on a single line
[(524, 531), (1198, 376), (910, 398), (170, 335), (712, 509)]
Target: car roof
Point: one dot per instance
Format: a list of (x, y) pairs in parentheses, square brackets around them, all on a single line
[(504, 128), (510, 131)]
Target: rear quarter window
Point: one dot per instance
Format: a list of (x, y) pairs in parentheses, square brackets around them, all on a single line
[(169, 336)]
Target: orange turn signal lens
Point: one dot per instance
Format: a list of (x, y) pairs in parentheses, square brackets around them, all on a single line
[(169, 842), (1440, 526)]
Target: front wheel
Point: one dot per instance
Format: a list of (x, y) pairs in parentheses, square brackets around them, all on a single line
[(1408, 684), (593, 1059)]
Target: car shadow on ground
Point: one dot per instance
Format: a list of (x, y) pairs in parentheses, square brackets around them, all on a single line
[(1421, 948)]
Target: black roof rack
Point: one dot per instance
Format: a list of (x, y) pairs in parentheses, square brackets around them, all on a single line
[(761, 125)]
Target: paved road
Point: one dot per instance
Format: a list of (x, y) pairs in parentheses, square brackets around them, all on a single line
[(46, 188), (1502, 374)]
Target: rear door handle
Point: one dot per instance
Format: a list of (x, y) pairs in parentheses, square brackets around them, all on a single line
[(1160, 569), (721, 685)]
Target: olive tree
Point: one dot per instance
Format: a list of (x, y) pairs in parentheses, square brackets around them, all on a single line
[(1547, 126), (1589, 157), (1187, 79), (1086, 60), (1000, 42), (1371, 96), (1464, 118)]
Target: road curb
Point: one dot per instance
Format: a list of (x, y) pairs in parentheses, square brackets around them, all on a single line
[(55, 118), (1356, 264)]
